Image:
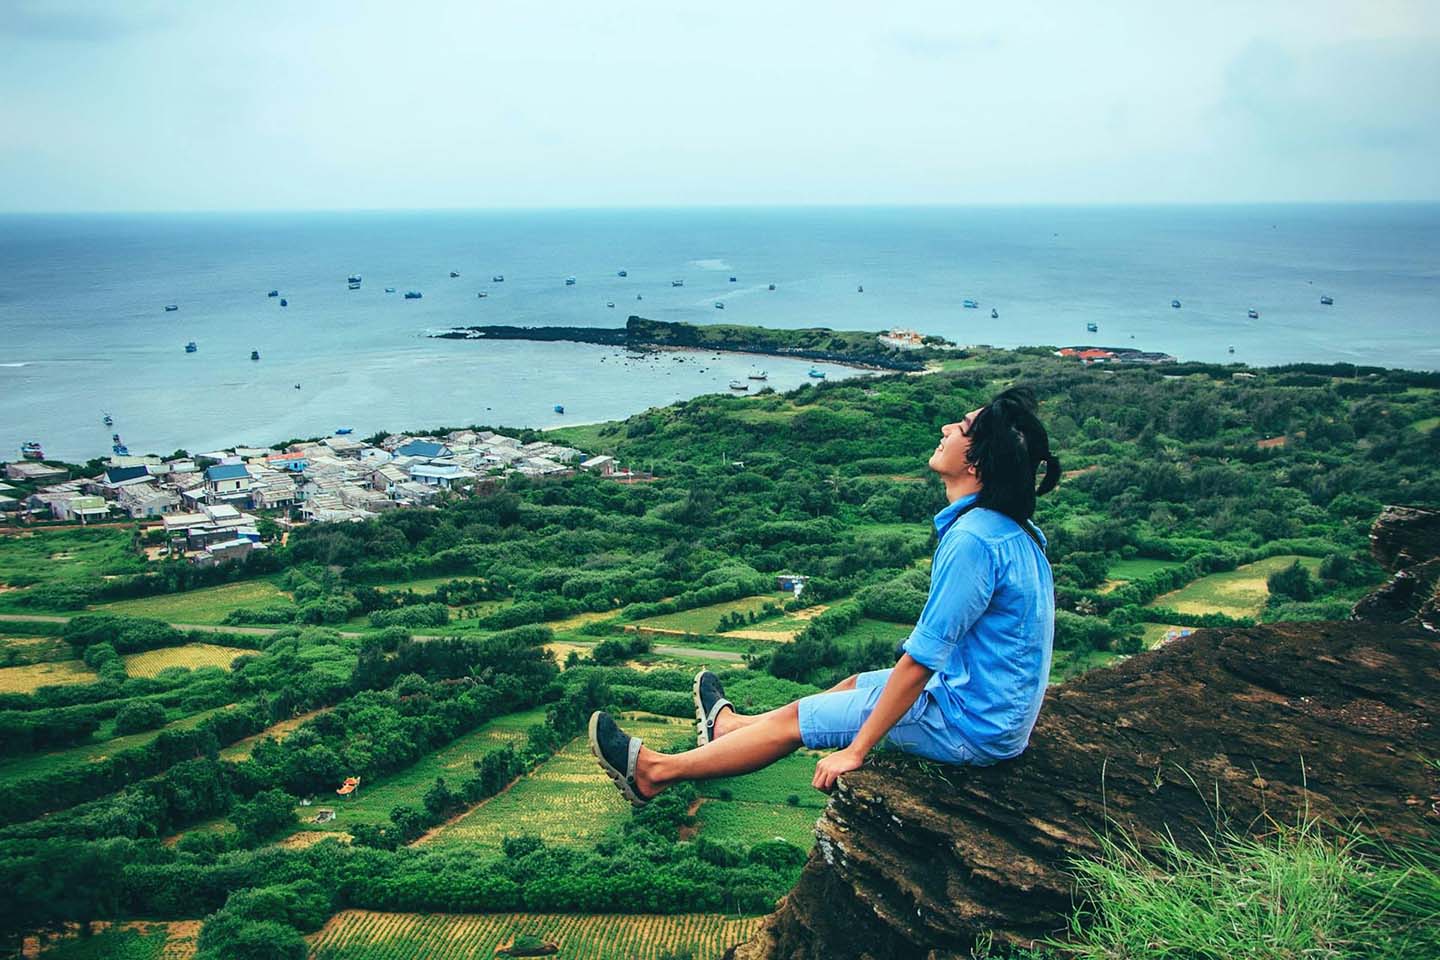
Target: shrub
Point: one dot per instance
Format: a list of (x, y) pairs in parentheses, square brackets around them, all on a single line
[(139, 715)]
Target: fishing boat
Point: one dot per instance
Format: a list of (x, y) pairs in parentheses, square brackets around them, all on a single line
[(1253, 314), (254, 354), (109, 420), (453, 274), (994, 314), (171, 307), (677, 283), (354, 286), (114, 438), (482, 295), (719, 304), (273, 293), (190, 347), (817, 374), (389, 289), (344, 431), (757, 374), (1175, 304), (610, 304), (860, 288), (1092, 327), (772, 286), (971, 305), (638, 297), (1232, 348), (559, 408), (353, 278), (413, 294), (284, 302), (120, 450), (569, 281), (739, 385), (498, 278), (1327, 301), (732, 279), (622, 273), (31, 450), (297, 386)]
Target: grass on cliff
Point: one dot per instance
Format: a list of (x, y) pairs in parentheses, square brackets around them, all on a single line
[(1300, 892)]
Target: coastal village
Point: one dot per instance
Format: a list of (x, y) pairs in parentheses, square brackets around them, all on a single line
[(208, 507)]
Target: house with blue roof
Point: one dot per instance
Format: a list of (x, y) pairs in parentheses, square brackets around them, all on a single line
[(427, 449), (227, 482)]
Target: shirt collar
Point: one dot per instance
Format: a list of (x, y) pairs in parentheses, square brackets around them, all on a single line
[(945, 518)]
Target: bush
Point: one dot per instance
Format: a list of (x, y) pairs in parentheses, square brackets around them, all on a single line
[(420, 615), (1294, 582), (139, 715)]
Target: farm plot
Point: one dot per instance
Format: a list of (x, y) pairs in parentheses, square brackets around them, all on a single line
[(1122, 572), (372, 803), (208, 605), (707, 619), (1236, 593), (567, 800), (131, 940), (868, 630), (29, 678), (365, 935), (191, 656)]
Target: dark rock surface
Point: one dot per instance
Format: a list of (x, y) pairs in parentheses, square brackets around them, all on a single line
[(1236, 727), (1405, 541)]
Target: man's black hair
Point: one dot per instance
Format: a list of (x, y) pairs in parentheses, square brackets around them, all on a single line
[(1007, 446)]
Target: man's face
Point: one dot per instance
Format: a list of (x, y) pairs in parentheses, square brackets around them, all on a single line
[(948, 460)]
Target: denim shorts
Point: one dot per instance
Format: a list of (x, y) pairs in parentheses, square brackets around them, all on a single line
[(831, 720)]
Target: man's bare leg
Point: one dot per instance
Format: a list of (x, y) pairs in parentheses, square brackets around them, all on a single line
[(729, 721), (759, 743)]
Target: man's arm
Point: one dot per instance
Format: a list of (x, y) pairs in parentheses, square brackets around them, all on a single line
[(900, 693)]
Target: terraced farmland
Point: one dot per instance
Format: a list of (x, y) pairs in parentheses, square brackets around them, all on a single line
[(758, 808), (373, 802), (365, 935), (566, 800)]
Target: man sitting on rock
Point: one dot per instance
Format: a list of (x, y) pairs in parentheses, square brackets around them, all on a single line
[(969, 684)]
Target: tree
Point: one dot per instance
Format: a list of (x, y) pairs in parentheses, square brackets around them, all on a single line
[(1293, 582), (268, 813), (138, 715)]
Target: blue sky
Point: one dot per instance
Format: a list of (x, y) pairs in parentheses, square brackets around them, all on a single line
[(143, 105)]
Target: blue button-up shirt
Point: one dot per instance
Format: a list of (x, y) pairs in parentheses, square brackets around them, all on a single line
[(987, 628)]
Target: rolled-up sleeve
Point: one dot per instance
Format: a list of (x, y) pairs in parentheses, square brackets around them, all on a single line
[(962, 581)]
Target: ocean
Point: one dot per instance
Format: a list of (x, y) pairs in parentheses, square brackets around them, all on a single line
[(83, 330)]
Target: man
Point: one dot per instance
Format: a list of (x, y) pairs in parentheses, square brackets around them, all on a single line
[(969, 684)]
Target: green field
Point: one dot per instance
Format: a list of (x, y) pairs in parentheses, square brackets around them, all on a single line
[(758, 809), (1427, 425), (373, 802), (49, 555), (566, 800), (208, 605), (366, 935), (1236, 593), (707, 619), (868, 630), (34, 765)]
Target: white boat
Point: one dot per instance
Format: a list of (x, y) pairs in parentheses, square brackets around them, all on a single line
[(677, 283), (569, 281), (739, 385), (719, 304), (758, 375)]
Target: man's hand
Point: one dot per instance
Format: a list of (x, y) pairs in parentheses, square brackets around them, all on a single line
[(841, 761)]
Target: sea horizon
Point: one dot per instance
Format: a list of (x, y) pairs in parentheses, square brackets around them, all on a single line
[(83, 329)]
